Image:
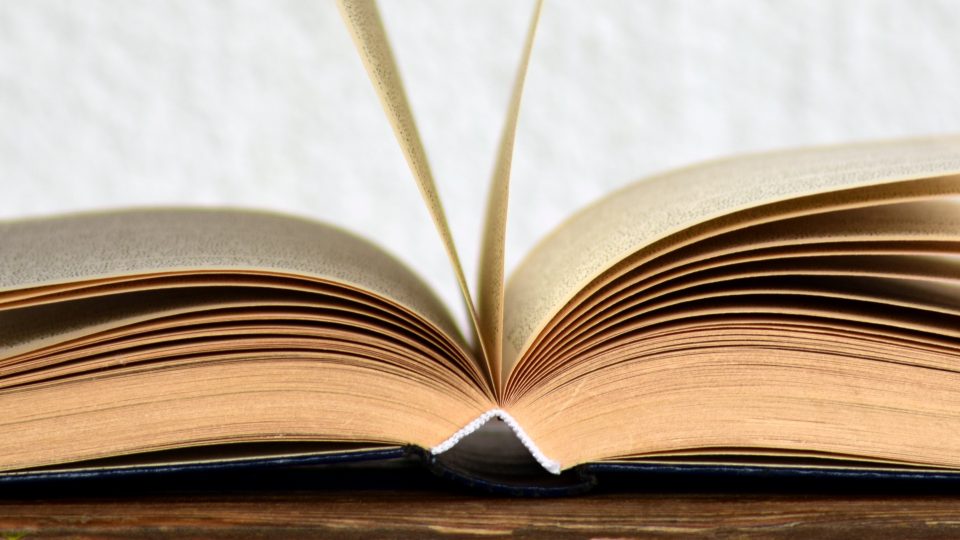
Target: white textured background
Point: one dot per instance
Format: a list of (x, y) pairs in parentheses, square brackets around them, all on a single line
[(265, 104)]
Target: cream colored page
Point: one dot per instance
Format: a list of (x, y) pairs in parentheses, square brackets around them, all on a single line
[(366, 28), (88, 246), (611, 229), (29, 329), (492, 249), (927, 220)]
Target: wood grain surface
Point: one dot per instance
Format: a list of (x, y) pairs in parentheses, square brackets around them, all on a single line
[(417, 513)]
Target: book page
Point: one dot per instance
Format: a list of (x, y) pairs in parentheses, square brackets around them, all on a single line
[(610, 230), (492, 249), (363, 20), (82, 247)]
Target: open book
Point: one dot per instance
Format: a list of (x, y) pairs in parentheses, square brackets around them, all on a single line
[(794, 307)]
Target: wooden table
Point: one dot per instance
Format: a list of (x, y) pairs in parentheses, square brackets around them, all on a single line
[(415, 504), (430, 514)]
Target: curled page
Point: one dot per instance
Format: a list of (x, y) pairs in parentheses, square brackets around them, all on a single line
[(492, 249), (366, 28), (605, 233)]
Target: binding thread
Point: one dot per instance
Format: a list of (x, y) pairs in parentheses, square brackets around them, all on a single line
[(550, 465)]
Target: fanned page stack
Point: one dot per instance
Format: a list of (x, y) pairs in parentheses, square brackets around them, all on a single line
[(793, 308)]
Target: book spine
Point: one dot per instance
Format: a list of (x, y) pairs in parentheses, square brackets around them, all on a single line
[(550, 465)]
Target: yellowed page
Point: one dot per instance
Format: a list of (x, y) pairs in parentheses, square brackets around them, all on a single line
[(785, 397), (746, 253), (366, 28), (42, 330), (81, 247), (229, 398), (610, 230), (492, 249)]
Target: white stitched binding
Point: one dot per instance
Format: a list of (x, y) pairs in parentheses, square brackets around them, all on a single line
[(547, 463)]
